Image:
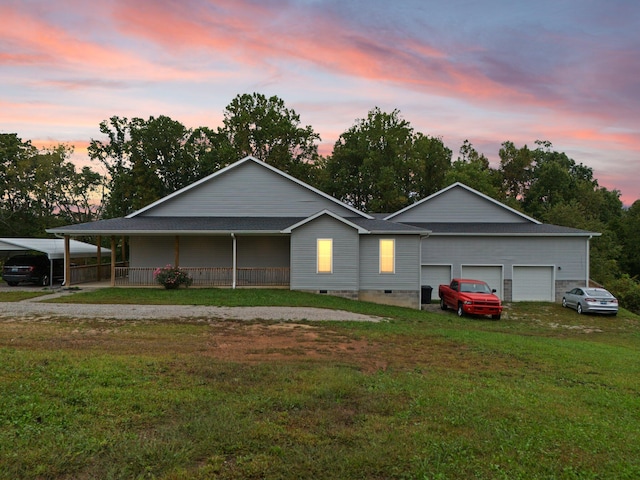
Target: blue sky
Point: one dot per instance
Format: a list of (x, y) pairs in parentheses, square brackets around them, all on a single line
[(491, 71)]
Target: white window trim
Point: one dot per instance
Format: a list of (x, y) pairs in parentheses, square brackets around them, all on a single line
[(323, 272), (393, 242)]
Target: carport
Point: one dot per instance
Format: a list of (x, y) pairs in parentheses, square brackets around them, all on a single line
[(54, 248)]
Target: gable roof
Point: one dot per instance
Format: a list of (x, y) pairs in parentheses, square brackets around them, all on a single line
[(320, 214), (236, 165), (470, 190)]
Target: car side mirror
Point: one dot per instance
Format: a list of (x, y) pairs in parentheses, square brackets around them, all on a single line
[(493, 290)]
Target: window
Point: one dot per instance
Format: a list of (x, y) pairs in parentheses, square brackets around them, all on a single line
[(325, 255), (387, 256)]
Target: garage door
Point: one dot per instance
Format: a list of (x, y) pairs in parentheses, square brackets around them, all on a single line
[(533, 284), (435, 275), (490, 274)]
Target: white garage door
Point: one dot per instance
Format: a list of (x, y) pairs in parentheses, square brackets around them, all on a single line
[(533, 284), (435, 275), (490, 274)]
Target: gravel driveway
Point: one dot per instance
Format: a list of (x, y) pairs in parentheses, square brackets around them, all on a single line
[(36, 307)]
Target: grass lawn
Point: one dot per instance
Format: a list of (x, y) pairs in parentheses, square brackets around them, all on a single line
[(543, 393)]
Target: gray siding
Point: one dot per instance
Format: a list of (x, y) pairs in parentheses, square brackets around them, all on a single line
[(206, 251), (247, 190), (263, 251), (459, 205), (151, 252), (407, 271), (568, 253), (210, 251), (304, 274)]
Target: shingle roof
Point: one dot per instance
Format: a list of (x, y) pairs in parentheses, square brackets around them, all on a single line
[(217, 225), (377, 225), (150, 225), (501, 229)]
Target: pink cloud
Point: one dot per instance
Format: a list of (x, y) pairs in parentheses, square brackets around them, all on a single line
[(40, 43)]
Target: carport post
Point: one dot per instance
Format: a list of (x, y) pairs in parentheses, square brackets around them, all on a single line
[(67, 262)]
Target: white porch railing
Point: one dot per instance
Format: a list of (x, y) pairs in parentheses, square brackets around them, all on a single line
[(210, 276)]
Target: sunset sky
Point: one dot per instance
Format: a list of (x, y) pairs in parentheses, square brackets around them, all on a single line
[(567, 71)]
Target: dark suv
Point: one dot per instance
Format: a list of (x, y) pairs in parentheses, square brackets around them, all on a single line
[(31, 269)]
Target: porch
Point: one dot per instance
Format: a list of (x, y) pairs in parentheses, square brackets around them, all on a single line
[(209, 276)]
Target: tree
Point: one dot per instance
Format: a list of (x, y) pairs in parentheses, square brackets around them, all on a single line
[(556, 179), (516, 169), (266, 129), (473, 169), (630, 239), (381, 165), (42, 188), (149, 159)]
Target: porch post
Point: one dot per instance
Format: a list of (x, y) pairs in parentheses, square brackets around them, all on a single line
[(99, 272), (113, 261), (124, 251), (176, 252), (235, 263), (67, 262)]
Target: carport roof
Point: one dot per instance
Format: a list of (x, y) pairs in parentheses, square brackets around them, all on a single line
[(52, 247)]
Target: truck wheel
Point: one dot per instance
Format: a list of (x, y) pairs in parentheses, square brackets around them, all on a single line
[(460, 311), (443, 306), (496, 317)]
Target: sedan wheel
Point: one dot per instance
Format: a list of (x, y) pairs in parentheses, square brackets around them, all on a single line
[(564, 302), (579, 309), (44, 281)]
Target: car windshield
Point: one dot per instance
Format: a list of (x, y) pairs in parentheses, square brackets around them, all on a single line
[(597, 292), (475, 288)]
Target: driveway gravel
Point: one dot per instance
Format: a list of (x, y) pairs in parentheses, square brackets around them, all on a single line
[(36, 307)]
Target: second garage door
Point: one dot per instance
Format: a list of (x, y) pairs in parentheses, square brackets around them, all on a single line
[(490, 274)]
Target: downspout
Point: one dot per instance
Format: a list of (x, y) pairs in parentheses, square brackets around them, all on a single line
[(588, 259), (233, 272)]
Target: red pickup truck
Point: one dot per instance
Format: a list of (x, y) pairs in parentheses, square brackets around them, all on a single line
[(473, 297)]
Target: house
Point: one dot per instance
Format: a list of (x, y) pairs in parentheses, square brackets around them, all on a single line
[(250, 224), (474, 236)]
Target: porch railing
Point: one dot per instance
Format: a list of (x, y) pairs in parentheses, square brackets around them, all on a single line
[(89, 273), (210, 276)]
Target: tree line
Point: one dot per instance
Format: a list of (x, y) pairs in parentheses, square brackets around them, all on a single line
[(380, 164)]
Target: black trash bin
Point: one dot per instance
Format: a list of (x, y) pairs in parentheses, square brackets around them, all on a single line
[(426, 294)]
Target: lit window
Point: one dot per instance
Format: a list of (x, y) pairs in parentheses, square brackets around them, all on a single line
[(387, 256), (325, 255)]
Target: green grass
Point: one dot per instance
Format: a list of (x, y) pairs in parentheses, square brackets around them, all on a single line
[(542, 394), (19, 295)]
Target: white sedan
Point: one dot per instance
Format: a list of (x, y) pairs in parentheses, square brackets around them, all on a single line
[(591, 300)]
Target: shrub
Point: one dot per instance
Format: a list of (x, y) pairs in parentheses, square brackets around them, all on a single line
[(172, 277), (627, 291)]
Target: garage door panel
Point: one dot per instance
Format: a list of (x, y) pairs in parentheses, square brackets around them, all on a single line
[(490, 274), (435, 275), (533, 283)]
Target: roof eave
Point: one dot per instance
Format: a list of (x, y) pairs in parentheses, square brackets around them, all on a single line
[(503, 234)]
